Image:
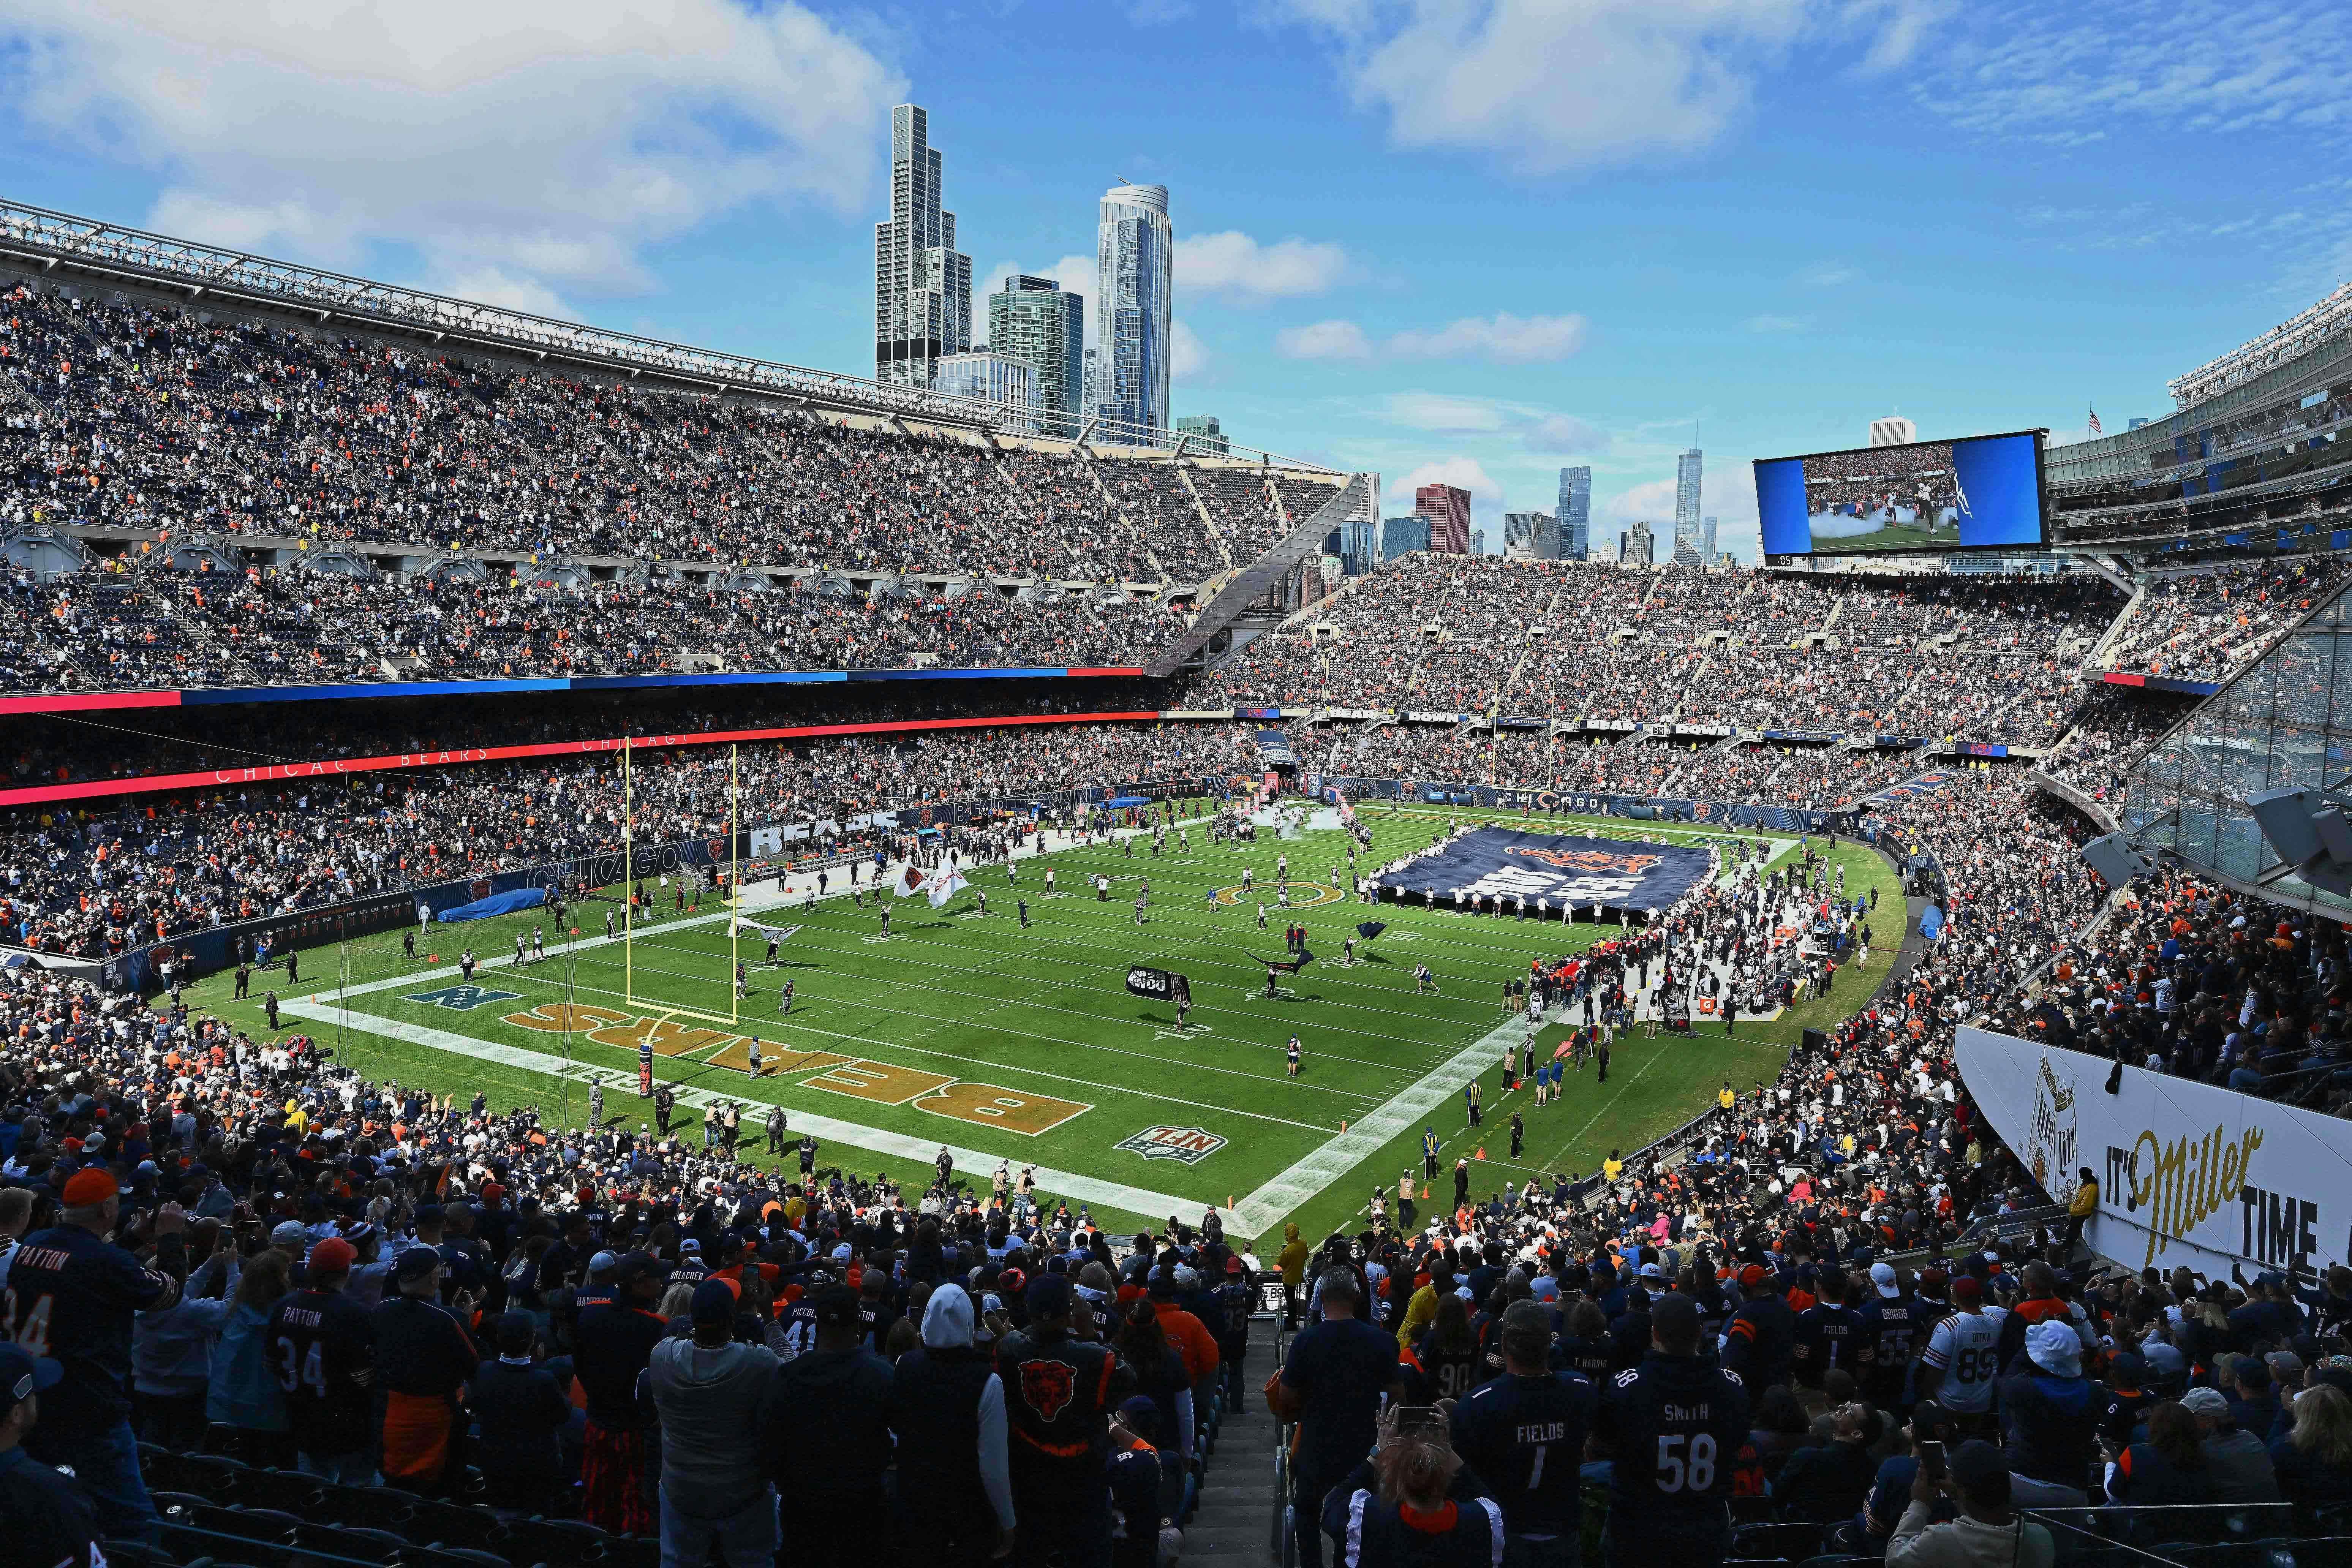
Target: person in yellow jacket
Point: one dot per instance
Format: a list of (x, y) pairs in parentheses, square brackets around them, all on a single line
[(2083, 1205), (1292, 1261), (1422, 1311)]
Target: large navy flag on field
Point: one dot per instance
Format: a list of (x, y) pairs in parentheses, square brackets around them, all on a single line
[(1555, 866)]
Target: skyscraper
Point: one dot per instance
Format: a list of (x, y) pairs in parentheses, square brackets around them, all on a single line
[(1402, 535), (1637, 546), (1893, 431), (1447, 507), (1035, 320), (1575, 513), (922, 283), (1208, 436), (1135, 250), (1698, 533), (995, 378), (1477, 541), (1689, 470), (1531, 536)]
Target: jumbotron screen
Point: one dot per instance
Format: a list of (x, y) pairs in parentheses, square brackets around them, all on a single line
[(1983, 492)]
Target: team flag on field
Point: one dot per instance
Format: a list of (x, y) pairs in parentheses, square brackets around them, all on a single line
[(765, 933), (1371, 929), (910, 881), (945, 884)]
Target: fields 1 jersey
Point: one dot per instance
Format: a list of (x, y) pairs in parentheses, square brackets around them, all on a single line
[(1673, 1426), (1966, 1348), (1524, 1435)]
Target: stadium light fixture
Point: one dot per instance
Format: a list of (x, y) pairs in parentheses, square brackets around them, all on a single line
[(2308, 830), (2117, 858)]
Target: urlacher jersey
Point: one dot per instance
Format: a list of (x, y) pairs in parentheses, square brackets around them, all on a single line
[(1673, 1426), (322, 1350)]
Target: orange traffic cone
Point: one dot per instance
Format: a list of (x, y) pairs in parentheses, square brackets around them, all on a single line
[(1481, 1153)]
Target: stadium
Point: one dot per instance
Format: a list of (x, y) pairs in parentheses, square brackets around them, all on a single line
[(495, 795)]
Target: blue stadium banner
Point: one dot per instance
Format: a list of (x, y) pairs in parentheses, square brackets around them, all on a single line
[(1562, 868)]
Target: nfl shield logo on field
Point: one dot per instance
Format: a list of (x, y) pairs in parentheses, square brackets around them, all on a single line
[(1189, 1144)]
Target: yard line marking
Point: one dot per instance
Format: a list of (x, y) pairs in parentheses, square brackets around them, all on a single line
[(1321, 1168), (898, 1145)]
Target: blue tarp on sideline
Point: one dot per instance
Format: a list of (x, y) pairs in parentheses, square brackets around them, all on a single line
[(496, 904)]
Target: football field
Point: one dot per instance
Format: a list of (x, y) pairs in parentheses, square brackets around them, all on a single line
[(1001, 1041)]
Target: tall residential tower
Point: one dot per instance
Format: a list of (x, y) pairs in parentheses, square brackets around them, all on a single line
[(1447, 507), (1689, 470), (1135, 250), (1037, 321), (1575, 514), (922, 283)]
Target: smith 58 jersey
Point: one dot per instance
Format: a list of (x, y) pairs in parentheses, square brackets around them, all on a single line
[(1673, 1425)]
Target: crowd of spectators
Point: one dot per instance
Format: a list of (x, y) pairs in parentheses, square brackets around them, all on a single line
[(1754, 1250), (1843, 653), (473, 1321), (161, 419), (2208, 626), (2114, 728), (105, 629), (1754, 1240), (91, 883)]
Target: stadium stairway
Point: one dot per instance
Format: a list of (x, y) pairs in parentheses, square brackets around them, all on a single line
[(1233, 1525)]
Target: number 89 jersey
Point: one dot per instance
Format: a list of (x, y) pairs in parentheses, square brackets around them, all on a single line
[(1673, 1427)]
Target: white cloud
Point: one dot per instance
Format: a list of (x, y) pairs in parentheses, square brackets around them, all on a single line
[(1469, 474), (1776, 323), (2197, 67), (1188, 356), (1324, 340), (1558, 84), (1233, 263), (530, 144), (1828, 274), (1539, 430), (1652, 501), (1436, 411), (1566, 434), (1512, 340), (494, 286)]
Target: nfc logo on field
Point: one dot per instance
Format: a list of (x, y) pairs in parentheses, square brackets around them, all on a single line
[(1189, 1144), (462, 998)]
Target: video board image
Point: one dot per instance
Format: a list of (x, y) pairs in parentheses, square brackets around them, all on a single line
[(1979, 492)]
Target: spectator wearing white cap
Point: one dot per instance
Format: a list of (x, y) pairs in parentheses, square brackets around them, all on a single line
[(2239, 1465), (2050, 1411)]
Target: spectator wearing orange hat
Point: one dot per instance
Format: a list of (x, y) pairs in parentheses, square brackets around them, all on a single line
[(321, 1345), (74, 1296)]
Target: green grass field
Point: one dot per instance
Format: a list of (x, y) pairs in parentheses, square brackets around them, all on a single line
[(965, 1029)]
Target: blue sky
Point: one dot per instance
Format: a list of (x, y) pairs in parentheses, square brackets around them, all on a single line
[(1465, 239)]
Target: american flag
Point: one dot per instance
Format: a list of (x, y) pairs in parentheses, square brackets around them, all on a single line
[(2094, 424)]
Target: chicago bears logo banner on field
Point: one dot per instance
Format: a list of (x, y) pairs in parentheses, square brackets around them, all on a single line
[(1561, 869)]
